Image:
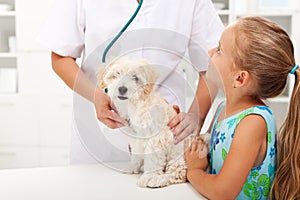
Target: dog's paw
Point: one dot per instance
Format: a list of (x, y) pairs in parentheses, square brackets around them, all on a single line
[(136, 171), (152, 181), (130, 170), (127, 168), (143, 180), (157, 181)]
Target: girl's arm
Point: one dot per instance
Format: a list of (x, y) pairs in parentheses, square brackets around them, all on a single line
[(249, 137)]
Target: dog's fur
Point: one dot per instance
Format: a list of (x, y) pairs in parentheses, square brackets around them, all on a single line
[(131, 86)]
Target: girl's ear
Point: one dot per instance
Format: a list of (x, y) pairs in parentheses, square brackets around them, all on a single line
[(241, 79)]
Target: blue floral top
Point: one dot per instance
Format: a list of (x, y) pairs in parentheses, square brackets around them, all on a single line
[(260, 178)]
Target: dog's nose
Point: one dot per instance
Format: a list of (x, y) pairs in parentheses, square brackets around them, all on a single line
[(123, 90)]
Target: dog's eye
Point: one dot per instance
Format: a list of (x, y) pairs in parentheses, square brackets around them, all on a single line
[(134, 77), (116, 75)]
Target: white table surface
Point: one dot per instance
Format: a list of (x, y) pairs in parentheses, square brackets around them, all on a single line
[(86, 182)]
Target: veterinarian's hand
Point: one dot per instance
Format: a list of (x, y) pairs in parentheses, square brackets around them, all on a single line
[(195, 154), (183, 125), (106, 111), (176, 108)]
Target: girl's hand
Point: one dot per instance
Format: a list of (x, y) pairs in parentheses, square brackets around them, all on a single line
[(106, 111), (184, 124), (195, 155)]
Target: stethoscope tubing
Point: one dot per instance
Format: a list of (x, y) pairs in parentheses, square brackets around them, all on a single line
[(121, 32)]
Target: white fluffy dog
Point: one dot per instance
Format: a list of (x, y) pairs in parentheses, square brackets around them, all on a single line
[(131, 86)]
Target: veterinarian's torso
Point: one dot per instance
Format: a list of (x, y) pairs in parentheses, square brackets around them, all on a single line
[(161, 32)]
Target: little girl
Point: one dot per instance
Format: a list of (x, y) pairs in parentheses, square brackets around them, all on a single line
[(251, 63)]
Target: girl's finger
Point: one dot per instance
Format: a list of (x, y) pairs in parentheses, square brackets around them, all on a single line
[(186, 144), (203, 152), (194, 146)]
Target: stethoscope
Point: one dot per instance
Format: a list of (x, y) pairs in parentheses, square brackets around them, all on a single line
[(121, 31)]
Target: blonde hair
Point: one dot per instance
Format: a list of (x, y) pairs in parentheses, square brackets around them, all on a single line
[(265, 50)]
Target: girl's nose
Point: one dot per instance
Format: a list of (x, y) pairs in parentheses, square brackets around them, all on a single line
[(212, 51)]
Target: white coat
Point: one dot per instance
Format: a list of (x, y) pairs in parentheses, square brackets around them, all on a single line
[(163, 31)]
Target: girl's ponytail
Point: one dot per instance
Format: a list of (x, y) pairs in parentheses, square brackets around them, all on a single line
[(286, 183)]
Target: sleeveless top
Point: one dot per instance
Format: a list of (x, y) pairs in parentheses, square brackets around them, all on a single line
[(260, 178)]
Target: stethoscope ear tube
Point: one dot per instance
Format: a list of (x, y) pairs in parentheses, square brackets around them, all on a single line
[(121, 32)]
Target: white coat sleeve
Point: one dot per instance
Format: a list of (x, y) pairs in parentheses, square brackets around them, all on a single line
[(63, 31), (207, 28)]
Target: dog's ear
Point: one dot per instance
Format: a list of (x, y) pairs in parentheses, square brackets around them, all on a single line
[(151, 76), (100, 74), (103, 69)]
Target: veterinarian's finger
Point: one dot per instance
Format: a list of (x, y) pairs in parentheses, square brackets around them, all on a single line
[(111, 124), (175, 121), (189, 131), (116, 117), (181, 125), (184, 127), (181, 136), (183, 130), (176, 108), (113, 107)]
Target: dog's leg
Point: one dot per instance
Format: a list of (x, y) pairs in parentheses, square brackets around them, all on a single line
[(174, 172), (137, 156), (154, 167), (136, 164)]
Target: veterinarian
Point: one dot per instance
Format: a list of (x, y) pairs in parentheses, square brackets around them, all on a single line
[(75, 28)]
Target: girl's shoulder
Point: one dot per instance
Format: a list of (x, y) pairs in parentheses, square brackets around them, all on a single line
[(260, 110), (252, 113)]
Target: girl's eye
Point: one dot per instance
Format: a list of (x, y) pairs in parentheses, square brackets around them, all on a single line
[(218, 50), (134, 77)]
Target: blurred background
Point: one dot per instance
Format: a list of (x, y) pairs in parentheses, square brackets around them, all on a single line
[(36, 106)]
